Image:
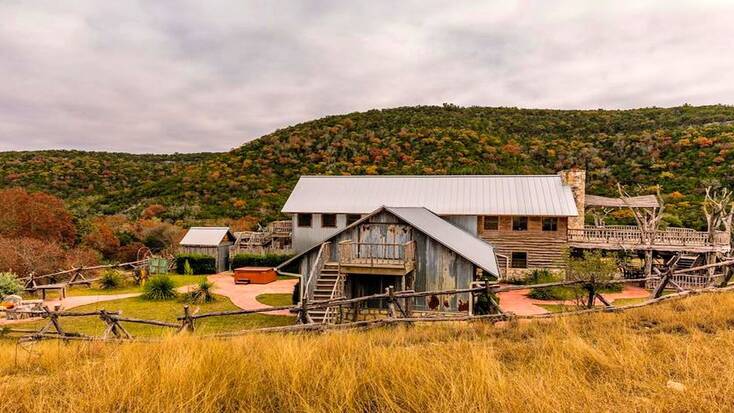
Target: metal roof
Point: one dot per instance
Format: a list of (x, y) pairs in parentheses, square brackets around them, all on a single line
[(474, 249), (642, 201), (206, 236), (535, 195)]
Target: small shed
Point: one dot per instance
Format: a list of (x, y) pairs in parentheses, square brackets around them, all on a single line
[(211, 241)]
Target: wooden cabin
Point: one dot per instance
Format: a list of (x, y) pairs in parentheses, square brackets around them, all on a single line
[(212, 241), (409, 248), (525, 218)]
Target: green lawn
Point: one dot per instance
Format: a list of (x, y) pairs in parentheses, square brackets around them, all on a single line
[(127, 288), (136, 307), (275, 300)]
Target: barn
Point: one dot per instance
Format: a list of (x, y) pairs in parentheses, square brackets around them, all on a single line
[(410, 248), (211, 241)]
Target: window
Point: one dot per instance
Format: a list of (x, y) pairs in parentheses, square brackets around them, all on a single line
[(550, 224), (328, 220), (519, 223), (491, 223), (352, 218), (304, 220), (519, 260)]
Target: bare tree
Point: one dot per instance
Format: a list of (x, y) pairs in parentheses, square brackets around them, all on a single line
[(648, 221)]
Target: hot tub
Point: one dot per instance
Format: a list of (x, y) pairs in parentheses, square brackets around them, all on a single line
[(254, 275)]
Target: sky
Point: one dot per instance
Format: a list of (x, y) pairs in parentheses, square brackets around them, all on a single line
[(191, 76)]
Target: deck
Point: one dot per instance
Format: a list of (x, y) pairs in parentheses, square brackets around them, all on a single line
[(377, 259), (623, 237)]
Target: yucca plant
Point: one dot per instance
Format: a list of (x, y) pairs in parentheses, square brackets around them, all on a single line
[(160, 287), (201, 294)]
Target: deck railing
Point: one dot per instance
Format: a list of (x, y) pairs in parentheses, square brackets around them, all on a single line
[(280, 227), (627, 234), (364, 253)]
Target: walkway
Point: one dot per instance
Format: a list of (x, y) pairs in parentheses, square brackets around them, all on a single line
[(519, 303), (243, 296)]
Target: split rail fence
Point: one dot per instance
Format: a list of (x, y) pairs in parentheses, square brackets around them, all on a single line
[(398, 310)]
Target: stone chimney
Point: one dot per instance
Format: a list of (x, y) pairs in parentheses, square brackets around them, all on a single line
[(576, 179)]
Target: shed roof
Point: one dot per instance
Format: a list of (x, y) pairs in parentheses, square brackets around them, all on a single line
[(474, 249), (642, 201), (537, 195), (206, 236)]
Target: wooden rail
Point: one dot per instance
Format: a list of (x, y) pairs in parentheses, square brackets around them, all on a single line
[(375, 254), (632, 236), (396, 313)]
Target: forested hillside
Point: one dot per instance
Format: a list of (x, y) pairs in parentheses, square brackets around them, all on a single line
[(683, 149)]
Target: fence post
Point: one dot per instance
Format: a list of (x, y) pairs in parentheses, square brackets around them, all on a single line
[(390, 301), (188, 322), (303, 316), (592, 294)]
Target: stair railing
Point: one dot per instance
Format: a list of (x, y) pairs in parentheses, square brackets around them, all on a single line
[(318, 265)]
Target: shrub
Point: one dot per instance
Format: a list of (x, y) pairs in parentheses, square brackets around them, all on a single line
[(199, 263), (296, 294), (259, 260), (9, 284), (111, 279), (160, 287), (187, 268), (201, 294)]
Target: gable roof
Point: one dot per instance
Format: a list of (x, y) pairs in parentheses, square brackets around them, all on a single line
[(535, 195), (474, 249), (206, 236)]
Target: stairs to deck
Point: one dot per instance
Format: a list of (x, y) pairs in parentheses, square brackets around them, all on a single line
[(686, 261), (324, 286)]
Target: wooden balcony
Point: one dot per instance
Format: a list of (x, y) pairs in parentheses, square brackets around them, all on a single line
[(376, 258), (626, 237)]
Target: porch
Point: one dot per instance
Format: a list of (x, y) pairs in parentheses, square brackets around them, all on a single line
[(376, 258), (628, 237)]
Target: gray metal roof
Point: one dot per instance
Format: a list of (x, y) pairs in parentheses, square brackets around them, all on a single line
[(206, 236), (535, 195), (474, 249)]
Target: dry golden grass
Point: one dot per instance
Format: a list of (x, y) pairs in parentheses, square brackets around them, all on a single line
[(600, 362)]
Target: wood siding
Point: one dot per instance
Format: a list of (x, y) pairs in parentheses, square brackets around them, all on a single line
[(545, 249), (437, 267), (220, 253)]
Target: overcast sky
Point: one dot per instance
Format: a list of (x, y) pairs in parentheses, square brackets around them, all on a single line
[(187, 76)]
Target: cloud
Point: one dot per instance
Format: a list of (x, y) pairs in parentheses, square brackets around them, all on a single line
[(192, 76)]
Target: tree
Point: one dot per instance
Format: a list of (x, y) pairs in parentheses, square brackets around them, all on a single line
[(594, 270), (35, 215)]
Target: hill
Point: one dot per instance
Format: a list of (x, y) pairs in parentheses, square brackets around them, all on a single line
[(682, 148)]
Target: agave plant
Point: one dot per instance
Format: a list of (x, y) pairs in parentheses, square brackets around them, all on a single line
[(201, 294)]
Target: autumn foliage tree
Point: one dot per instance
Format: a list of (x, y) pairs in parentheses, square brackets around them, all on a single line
[(35, 215)]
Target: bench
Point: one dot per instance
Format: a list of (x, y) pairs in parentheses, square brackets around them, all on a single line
[(60, 287)]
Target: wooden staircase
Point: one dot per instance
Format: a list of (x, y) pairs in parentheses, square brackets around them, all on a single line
[(325, 284), (686, 261)]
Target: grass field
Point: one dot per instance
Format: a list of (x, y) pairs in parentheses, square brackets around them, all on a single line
[(275, 300), (672, 357), (127, 288), (137, 307)]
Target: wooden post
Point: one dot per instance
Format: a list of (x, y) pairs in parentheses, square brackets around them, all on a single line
[(303, 316), (592, 295), (495, 306), (726, 277), (658, 291), (390, 301), (188, 322)]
